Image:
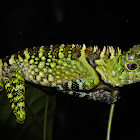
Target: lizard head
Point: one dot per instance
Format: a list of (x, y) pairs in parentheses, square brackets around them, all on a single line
[(122, 69)]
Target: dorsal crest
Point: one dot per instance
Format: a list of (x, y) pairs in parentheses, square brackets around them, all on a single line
[(107, 51)]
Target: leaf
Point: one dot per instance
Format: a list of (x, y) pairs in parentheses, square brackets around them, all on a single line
[(39, 116)]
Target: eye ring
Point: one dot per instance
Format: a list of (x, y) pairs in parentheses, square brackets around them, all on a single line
[(131, 66)]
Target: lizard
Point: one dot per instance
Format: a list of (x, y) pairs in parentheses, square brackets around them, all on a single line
[(72, 69)]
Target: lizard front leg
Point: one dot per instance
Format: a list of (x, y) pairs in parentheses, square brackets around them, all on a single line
[(15, 88), (102, 93)]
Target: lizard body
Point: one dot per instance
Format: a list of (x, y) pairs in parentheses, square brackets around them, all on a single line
[(73, 69)]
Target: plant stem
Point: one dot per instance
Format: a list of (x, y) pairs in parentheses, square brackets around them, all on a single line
[(114, 93), (50, 105), (45, 118), (110, 121)]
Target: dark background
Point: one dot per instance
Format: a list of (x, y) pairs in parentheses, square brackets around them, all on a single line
[(29, 23)]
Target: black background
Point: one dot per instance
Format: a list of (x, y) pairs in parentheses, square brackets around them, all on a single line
[(29, 23)]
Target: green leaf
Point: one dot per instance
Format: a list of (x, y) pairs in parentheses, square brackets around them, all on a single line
[(38, 125)]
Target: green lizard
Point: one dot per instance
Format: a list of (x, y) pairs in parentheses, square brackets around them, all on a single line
[(73, 69)]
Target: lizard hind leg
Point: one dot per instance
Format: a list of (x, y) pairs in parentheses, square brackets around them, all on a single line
[(15, 88)]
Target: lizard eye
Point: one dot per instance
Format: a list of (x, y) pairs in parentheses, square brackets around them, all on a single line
[(131, 66)]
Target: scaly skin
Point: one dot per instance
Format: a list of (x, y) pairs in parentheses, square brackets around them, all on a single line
[(72, 69)]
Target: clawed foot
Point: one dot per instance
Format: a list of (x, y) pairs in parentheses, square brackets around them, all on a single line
[(104, 93)]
